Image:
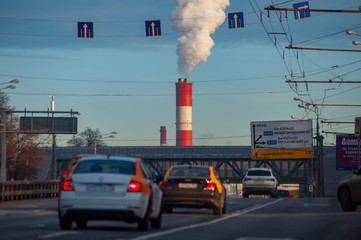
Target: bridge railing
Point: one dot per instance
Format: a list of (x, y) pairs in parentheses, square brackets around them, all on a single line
[(21, 190)]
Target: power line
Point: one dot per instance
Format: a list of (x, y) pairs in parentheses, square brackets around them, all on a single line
[(149, 95)]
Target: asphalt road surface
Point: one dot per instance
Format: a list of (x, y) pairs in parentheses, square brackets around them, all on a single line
[(254, 219)]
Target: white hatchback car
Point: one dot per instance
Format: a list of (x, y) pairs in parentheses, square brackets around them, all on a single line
[(110, 188), (259, 181)]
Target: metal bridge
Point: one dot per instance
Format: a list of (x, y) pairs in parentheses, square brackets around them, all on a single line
[(232, 162)]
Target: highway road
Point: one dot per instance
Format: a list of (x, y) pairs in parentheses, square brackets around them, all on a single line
[(254, 218)]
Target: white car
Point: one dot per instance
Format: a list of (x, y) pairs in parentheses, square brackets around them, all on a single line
[(259, 181), (349, 191), (110, 188)]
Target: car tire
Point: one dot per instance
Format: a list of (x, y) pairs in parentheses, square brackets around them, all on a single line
[(65, 223), (217, 210), (224, 206), (81, 224), (346, 202), (168, 209), (143, 223), (157, 222)]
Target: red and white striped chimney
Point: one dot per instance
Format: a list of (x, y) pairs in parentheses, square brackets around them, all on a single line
[(184, 112), (163, 136)]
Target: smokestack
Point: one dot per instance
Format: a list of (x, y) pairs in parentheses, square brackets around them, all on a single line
[(183, 112), (163, 136)]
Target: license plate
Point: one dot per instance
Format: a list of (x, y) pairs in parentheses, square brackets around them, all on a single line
[(100, 188), (187, 185), (258, 181)]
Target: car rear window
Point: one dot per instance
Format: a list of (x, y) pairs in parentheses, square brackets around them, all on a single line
[(106, 166), (190, 172), (259, 173)]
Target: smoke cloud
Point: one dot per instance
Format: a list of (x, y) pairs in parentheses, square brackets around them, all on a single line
[(196, 20)]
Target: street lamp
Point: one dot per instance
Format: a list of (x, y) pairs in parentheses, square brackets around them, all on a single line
[(349, 32), (3, 131), (110, 136), (11, 86)]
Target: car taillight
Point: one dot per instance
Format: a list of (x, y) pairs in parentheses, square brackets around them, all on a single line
[(270, 179), (247, 179), (165, 185), (68, 185), (65, 174), (210, 186), (134, 187)]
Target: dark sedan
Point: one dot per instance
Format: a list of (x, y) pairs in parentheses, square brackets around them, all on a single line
[(188, 186)]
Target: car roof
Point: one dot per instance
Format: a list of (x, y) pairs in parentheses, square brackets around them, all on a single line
[(104, 157), (191, 166), (264, 169)]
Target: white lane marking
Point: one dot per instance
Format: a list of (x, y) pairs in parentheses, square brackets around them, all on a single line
[(247, 210), (41, 225), (60, 234), (316, 205)]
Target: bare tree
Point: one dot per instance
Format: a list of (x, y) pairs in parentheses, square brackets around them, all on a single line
[(24, 157), (88, 137)]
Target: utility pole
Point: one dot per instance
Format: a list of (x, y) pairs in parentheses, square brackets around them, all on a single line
[(3, 145), (54, 165)]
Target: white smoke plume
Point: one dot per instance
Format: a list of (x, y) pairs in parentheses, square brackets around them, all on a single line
[(196, 20)]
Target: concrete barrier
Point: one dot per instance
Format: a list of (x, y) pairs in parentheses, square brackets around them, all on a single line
[(22, 190)]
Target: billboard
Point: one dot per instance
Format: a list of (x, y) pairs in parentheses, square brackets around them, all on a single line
[(347, 155), (281, 139), (56, 125)]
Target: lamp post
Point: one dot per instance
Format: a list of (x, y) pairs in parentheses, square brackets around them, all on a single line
[(319, 144), (3, 130), (110, 135)]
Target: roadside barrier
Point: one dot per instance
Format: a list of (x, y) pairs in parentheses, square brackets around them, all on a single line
[(22, 190)]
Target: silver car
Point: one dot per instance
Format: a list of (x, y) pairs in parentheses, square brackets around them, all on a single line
[(259, 181), (110, 188), (349, 191)]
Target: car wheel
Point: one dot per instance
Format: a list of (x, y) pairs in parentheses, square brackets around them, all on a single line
[(217, 210), (157, 222), (143, 223), (224, 206), (168, 209), (346, 201), (65, 223), (81, 224)]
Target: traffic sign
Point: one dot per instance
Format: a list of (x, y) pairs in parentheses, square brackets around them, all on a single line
[(85, 30), (302, 14), (311, 180), (153, 28), (281, 139), (357, 126), (235, 20)]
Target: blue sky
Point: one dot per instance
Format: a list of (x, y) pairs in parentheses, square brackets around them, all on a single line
[(123, 81)]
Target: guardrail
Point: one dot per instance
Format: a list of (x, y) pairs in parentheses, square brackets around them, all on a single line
[(21, 190)]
